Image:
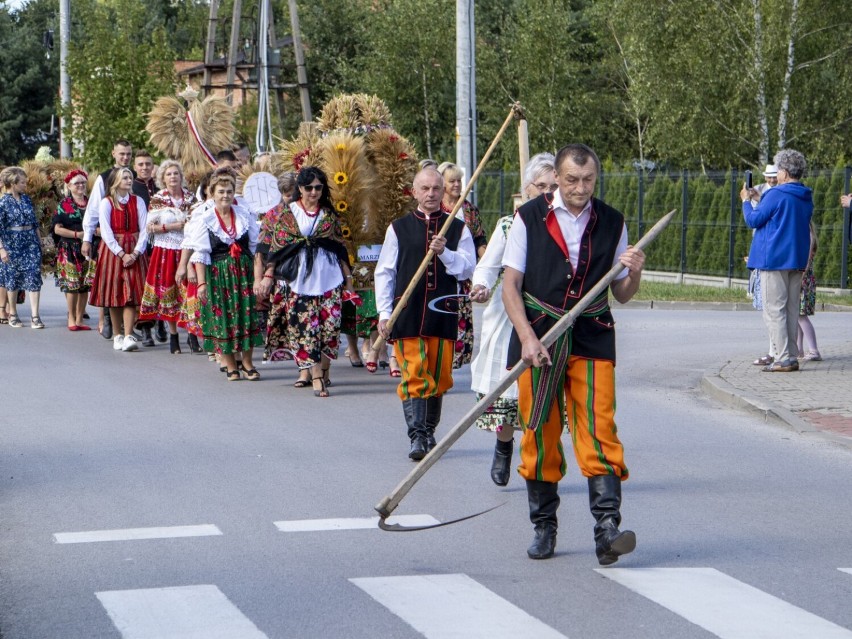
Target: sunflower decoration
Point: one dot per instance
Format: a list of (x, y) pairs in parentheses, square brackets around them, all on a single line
[(341, 207), (340, 178), (346, 232)]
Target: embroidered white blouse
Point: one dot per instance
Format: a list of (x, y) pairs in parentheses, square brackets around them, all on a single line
[(104, 213), (204, 219)]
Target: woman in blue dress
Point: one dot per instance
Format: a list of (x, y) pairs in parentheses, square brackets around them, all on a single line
[(20, 247)]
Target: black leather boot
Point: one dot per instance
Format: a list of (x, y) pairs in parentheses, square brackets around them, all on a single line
[(433, 416), (174, 344), (544, 501), (415, 418), (160, 333), (106, 332), (605, 504), (147, 338), (501, 465)]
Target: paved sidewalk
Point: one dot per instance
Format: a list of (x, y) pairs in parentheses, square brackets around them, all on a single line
[(815, 400)]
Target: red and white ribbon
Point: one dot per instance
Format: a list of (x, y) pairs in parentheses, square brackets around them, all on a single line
[(197, 137)]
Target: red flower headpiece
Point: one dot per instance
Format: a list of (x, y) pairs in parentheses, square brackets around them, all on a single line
[(72, 174)]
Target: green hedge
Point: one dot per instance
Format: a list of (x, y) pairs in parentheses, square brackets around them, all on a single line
[(713, 217)]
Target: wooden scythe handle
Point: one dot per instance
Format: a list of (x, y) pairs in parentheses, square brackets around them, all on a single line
[(389, 503)]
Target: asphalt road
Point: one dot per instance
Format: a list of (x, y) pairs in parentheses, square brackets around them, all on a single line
[(742, 527)]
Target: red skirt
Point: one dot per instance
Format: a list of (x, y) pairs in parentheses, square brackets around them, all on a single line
[(161, 299), (114, 285)]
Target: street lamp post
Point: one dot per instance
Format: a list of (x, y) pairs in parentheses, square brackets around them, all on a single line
[(64, 80)]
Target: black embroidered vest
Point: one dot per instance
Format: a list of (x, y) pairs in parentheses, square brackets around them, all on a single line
[(550, 278), (414, 233), (220, 250)]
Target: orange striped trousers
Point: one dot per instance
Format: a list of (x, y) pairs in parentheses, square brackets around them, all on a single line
[(590, 409), (427, 366)]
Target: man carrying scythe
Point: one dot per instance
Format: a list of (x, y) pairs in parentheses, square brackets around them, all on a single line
[(560, 246), (424, 340)]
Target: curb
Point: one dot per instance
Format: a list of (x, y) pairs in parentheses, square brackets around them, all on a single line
[(717, 306), (722, 391)]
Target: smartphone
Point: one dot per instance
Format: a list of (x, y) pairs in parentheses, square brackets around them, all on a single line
[(748, 179)]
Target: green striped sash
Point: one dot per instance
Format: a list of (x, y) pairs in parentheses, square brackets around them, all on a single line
[(547, 381)]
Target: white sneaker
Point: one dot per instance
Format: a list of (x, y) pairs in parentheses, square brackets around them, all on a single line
[(130, 344), (117, 342)]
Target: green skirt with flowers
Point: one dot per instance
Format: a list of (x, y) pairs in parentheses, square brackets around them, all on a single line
[(229, 319)]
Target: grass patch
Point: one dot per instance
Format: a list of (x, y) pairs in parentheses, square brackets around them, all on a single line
[(668, 292)]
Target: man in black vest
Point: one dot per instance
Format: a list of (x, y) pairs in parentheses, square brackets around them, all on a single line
[(560, 246), (143, 183), (424, 340)]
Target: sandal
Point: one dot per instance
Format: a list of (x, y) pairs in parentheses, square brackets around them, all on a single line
[(394, 368), (250, 374), (36, 322), (233, 376), (4, 319), (766, 360), (326, 377), (321, 391), (302, 383), (356, 363), (14, 321)]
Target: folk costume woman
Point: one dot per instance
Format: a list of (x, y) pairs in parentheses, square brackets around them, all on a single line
[(310, 239), (223, 239), (74, 273), (122, 263), (20, 246), (452, 175), (489, 365), (166, 220)]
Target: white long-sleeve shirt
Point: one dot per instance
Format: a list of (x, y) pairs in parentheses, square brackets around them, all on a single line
[(93, 207), (197, 239), (105, 215), (459, 263)]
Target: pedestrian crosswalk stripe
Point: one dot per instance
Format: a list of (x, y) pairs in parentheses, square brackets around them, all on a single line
[(452, 606), (352, 523), (177, 613), (724, 606), (135, 534)]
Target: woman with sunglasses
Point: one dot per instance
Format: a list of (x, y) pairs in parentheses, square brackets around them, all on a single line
[(74, 273), (310, 237), (489, 365)]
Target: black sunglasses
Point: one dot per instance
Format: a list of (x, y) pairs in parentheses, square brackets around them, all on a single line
[(313, 187)]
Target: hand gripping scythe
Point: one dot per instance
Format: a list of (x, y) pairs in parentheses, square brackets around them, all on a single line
[(390, 502)]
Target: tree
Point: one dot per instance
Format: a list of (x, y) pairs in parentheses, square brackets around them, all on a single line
[(29, 79), (117, 71)]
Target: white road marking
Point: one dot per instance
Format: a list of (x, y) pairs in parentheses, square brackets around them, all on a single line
[(724, 606), (135, 534), (453, 607), (184, 612), (848, 570), (352, 523)]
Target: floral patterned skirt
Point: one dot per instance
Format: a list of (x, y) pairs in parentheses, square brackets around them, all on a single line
[(464, 341), (360, 321), (74, 273), (228, 319), (161, 299), (190, 309), (314, 326), (807, 301), (278, 347), (502, 413), (23, 271)]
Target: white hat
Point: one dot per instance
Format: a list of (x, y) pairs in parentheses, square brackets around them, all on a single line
[(770, 171)]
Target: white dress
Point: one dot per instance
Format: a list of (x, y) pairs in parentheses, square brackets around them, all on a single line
[(489, 365)]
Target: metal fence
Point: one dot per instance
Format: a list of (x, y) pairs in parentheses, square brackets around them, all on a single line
[(710, 237)]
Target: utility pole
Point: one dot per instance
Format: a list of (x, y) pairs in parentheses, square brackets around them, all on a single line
[(64, 80), (301, 73), (232, 50), (210, 51), (465, 89)]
